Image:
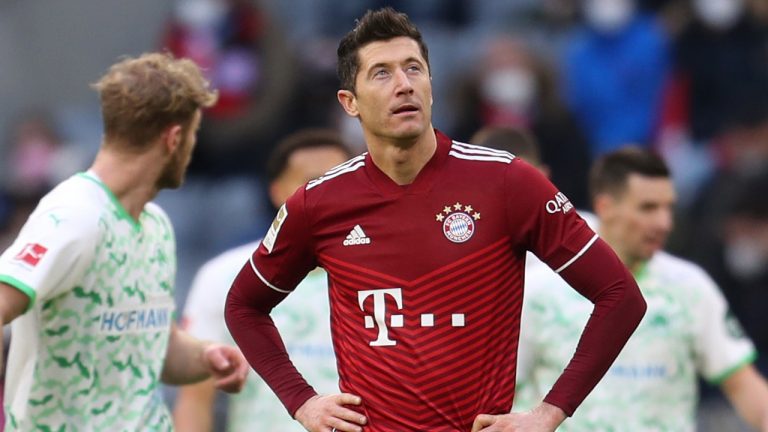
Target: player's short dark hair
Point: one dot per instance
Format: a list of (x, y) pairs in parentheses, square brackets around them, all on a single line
[(303, 139), (611, 172), (379, 25), (517, 141)]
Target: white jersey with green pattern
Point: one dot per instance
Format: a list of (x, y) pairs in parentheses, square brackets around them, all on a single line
[(303, 320), (88, 353), (652, 385)]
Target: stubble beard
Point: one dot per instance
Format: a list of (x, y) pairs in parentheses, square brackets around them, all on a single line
[(172, 176)]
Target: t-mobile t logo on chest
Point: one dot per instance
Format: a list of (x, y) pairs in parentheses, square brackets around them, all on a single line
[(379, 318)]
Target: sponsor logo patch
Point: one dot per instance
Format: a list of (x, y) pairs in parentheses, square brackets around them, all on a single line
[(145, 319), (559, 204), (31, 254), (274, 229)]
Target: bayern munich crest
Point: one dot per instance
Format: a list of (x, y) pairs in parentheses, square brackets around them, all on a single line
[(459, 222)]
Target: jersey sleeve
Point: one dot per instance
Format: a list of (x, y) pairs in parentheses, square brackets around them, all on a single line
[(51, 253), (720, 345), (282, 260), (286, 255), (543, 220)]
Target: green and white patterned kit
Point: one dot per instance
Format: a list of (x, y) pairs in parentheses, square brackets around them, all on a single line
[(652, 386), (88, 354)]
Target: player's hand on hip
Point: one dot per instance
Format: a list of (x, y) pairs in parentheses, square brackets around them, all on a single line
[(327, 413), (544, 418), (227, 366)]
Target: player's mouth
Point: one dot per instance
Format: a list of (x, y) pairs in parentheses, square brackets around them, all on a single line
[(405, 109)]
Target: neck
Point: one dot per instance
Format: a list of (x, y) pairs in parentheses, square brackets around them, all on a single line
[(402, 161), (131, 177)]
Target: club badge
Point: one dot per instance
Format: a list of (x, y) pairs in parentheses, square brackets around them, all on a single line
[(459, 222)]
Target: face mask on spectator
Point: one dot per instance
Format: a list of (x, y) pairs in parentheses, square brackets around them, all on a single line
[(608, 16), (718, 14), (510, 88), (745, 258)]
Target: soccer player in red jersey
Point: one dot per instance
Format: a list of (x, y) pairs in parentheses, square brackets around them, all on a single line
[(424, 241)]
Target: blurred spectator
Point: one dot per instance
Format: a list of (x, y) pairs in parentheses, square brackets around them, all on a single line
[(722, 229), (544, 24), (38, 157), (744, 264), (340, 14), (722, 63), (614, 70), (512, 87), (247, 58), (743, 154)]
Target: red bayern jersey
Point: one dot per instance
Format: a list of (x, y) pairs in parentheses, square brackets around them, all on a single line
[(425, 279)]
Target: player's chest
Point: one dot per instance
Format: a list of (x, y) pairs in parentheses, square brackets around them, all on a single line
[(414, 232), (134, 265)]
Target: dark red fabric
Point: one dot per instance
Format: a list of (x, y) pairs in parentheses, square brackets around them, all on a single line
[(619, 307), (247, 315), (425, 315)]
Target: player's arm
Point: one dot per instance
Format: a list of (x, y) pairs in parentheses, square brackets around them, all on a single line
[(551, 228), (13, 303), (247, 315), (724, 355), (278, 265), (618, 309), (193, 411), (747, 391), (190, 360)]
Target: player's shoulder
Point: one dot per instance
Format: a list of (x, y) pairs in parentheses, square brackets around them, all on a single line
[(682, 271), (74, 204), (153, 209), (342, 174), (480, 156)]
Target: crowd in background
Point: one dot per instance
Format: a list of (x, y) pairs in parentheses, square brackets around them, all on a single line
[(688, 78)]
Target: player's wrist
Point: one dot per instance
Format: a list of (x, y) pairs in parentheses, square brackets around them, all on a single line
[(303, 408), (550, 415)]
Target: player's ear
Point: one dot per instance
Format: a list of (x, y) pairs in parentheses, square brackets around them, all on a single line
[(171, 137), (348, 101), (604, 205)]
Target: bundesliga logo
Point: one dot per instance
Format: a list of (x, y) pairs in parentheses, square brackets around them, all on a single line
[(31, 254), (458, 222)]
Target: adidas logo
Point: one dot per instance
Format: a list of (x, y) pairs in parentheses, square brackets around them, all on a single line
[(356, 237)]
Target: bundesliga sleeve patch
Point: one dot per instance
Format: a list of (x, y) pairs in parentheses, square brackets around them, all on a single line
[(31, 254), (274, 229)]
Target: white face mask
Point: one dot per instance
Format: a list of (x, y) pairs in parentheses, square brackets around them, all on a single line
[(719, 14), (745, 258), (608, 15), (200, 13), (511, 88)]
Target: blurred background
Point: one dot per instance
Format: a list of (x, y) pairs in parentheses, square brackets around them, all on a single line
[(688, 78)]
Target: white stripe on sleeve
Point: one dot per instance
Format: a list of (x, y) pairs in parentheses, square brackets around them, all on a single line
[(575, 257)]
